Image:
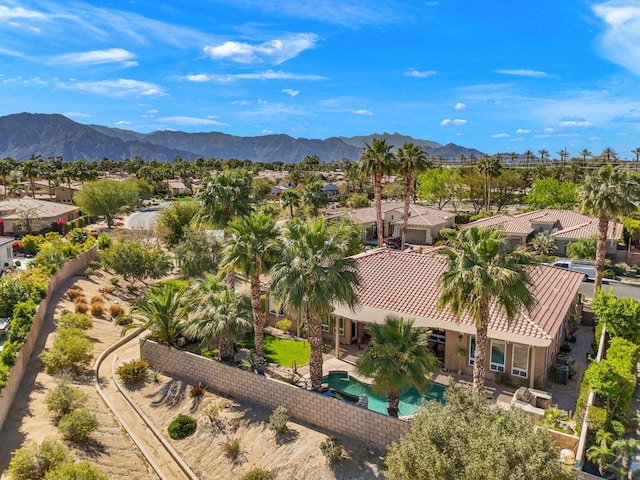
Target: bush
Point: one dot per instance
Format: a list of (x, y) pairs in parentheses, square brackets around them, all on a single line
[(97, 299), (78, 425), (123, 320), (97, 309), (74, 293), (133, 371), (115, 310), (258, 473), (198, 390), (64, 399), (71, 351), (115, 281), (212, 412), (75, 471), (331, 448), (21, 321), (284, 325), (103, 241), (278, 420), (89, 272), (33, 461), (231, 448), (182, 426), (75, 320)]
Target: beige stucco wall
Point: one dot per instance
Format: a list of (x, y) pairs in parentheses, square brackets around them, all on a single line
[(374, 429)]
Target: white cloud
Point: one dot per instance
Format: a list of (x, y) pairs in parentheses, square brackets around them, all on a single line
[(240, 102), (190, 121), (523, 73), (121, 87), (262, 102), (265, 75), (631, 116), (122, 122), (620, 41), (456, 121), (152, 111), (543, 135), (460, 106), (420, 73), (574, 123), (274, 51), (500, 135), (362, 112), (200, 77), (8, 13), (521, 131), (548, 129), (95, 57), (290, 91)]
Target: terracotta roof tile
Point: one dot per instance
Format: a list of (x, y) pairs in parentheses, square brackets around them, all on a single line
[(509, 223)]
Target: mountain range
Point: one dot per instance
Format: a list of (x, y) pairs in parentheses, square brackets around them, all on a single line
[(25, 134)]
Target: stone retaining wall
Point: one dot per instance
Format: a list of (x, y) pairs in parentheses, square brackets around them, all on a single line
[(16, 373), (565, 440), (372, 428)]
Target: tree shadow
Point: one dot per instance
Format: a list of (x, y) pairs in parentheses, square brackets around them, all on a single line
[(93, 448), (286, 437)]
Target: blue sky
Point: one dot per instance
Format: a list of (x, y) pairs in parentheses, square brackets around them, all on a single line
[(499, 76)]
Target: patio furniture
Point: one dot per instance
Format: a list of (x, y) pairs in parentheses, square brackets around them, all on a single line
[(532, 401)]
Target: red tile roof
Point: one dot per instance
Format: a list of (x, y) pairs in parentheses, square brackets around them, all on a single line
[(509, 223), (406, 284), (571, 225)]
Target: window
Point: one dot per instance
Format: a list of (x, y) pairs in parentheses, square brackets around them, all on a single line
[(472, 350), (325, 325), (274, 309), (520, 361), (498, 349), (437, 336)]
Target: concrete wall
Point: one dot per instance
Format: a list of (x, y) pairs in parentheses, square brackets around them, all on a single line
[(372, 428), (17, 371), (564, 440)]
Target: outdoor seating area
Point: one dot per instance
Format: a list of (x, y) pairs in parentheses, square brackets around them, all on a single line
[(533, 402)]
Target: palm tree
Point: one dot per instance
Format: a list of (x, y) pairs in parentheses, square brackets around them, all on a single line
[(31, 169), (564, 155), (625, 449), (480, 278), (377, 160), (636, 152), (490, 167), (160, 312), (220, 316), (543, 154), (543, 243), (224, 196), (528, 156), (411, 161), (584, 153), (313, 194), (609, 154), (513, 156), (396, 360), (6, 167), (607, 193), (290, 199), (312, 276), (252, 249), (601, 453)]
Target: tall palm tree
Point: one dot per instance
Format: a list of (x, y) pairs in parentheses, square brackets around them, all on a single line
[(607, 193), (252, 249), (220, 316), (290, 199), (513, 156), (411, 161), (377, 160), (564, 155), (481, 277), (543, 154), (396, 360), (528, 156), (31, 169), (636, 152), (490, 168), (6, 167), (159, 312), (224, 196), (609, 154), (312, 276), (585, 153)]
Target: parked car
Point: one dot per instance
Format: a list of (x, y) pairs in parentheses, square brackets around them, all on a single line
[(393, 242), (4, 325)]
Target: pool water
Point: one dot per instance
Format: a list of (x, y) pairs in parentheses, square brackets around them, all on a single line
[(410, 400)]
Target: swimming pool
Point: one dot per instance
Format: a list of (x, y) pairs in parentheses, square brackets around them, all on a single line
[(340, 381)]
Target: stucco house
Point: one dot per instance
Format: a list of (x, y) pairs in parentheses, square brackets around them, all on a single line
[(6, 252), (405, 284), (423, 227), (565, 226), (19, 216)]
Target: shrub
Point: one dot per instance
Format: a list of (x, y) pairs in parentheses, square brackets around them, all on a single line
[(197, 390), (75, 320), (89, 271), (78, 425), (33, 461), (284, 325), (21, 322), (74, 293), (97, 309), (103, 241), (94, 264), (231, 448), (331, 448), (115, 281), (97, 299), (115, 310), (212, 412), (71, 351), (278, 420), (133, 371), (64, 399), (75, 471), (82, 307), (123, 320), (258, 473), (182, 426)]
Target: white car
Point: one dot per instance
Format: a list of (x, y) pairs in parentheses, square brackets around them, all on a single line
[(4, 325)]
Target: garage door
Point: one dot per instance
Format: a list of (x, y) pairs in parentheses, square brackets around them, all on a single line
[(417, 237)]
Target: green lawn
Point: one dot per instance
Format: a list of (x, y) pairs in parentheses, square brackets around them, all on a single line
[(282, 351)]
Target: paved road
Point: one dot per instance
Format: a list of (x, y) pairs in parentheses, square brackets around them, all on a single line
[(620, 289), (144, 219)]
